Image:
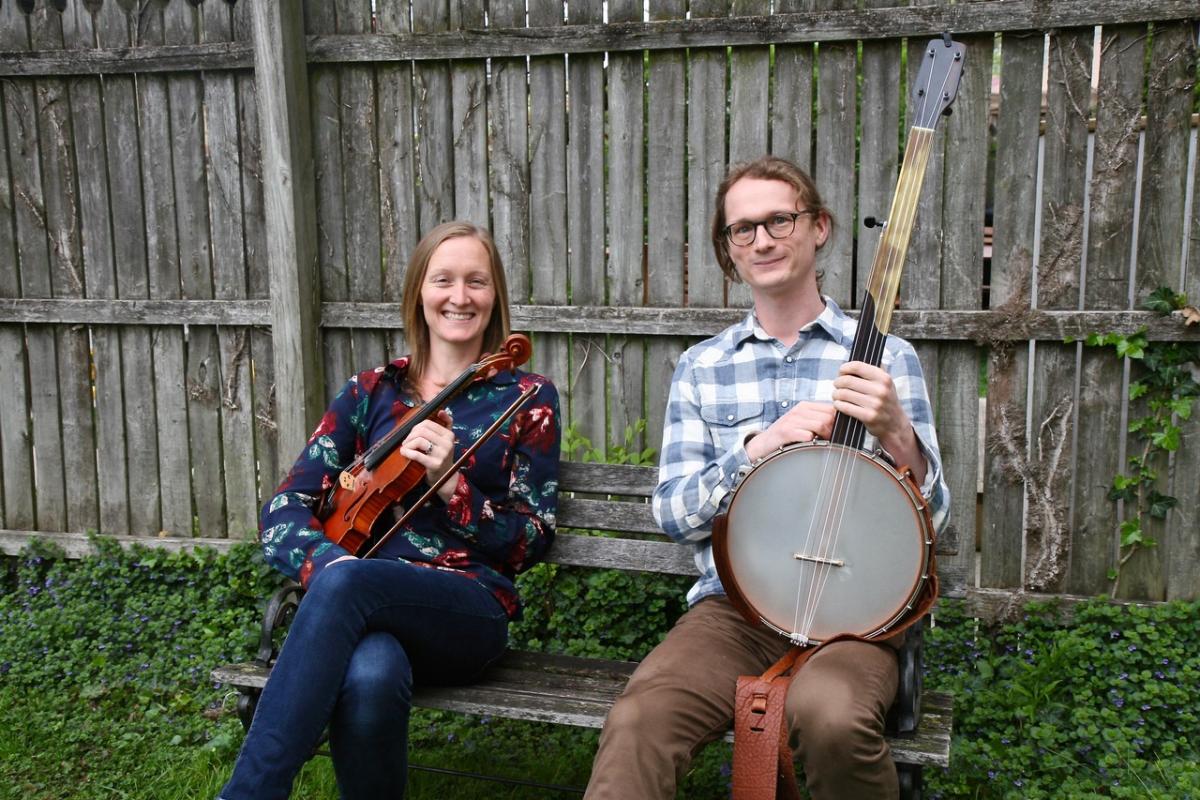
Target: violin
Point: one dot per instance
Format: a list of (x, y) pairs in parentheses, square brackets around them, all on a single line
[(381, 476)]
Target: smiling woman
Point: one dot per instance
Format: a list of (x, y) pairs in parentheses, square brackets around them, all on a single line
[(434, 605)]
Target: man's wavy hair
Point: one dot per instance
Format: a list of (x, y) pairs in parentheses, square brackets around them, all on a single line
[(769, 168)]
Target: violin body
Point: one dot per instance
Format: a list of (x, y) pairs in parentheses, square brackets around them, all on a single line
[(381, 477), (364, 494)]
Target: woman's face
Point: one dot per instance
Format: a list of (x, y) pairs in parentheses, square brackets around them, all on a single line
[(458, 292)]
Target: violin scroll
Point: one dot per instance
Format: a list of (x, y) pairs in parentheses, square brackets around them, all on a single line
[(514, 351)]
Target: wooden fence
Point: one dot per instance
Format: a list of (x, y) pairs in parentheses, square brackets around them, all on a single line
[(205, 212)]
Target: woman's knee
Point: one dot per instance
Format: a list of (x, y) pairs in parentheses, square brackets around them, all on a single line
[(378, 680)]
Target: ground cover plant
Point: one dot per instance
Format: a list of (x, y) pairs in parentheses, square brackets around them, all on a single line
[(104, 688)]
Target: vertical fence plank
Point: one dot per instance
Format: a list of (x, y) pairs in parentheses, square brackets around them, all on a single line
[(837, 72), (1106, 287), (87, 121), (224, 176), (397, 161), (265, 451), (162, 247), (1183, 579), (705, 160), (470, 115), (508, 167), (626, 239), (956, 393), (327, 107), (60, 384), (113, 30), (360, 164), (1169, 97), (749, 109), (791, 104), (16, 453), (1064, 183), (1012, 268), (548, 253), (37, 425), (879, 161), (585, 388), (666, 191), (181, 23), (290, 221), (434, 117)]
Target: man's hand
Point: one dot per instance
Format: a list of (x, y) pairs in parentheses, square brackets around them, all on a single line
[(867, 394), (805, 422)]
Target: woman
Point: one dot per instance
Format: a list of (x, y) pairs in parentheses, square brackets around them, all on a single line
[(434, 604)]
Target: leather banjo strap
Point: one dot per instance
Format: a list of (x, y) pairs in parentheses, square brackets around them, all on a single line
[(763, 764)]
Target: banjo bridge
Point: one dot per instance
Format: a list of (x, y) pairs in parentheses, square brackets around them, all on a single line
[(836, 562)]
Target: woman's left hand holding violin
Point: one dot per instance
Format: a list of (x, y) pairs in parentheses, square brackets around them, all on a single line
[(431, 444)]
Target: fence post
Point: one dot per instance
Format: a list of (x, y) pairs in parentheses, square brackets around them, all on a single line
[(281, 78)]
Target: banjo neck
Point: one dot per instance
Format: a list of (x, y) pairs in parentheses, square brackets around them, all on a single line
[(933, 93)]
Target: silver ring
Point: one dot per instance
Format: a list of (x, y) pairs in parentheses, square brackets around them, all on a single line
[(429, 448)]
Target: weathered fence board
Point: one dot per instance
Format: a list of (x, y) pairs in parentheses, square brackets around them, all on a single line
[(1106, 285), (162, 248), (1012, 267), (127, 212), (548, 248), (955, 396), (585, 387), (625, 212), (434, 121), (666, 214)]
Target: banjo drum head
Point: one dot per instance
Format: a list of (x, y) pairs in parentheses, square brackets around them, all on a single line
[(824, 539)]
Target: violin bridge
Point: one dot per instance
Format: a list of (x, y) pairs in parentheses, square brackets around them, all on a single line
[(346, 479), (836, 562)]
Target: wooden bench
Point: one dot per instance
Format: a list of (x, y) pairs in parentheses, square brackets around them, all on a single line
[(579, 691)]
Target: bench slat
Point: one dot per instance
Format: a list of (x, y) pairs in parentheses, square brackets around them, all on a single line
[(578, 691)]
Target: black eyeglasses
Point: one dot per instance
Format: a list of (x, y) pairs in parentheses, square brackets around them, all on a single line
[(777, 226)]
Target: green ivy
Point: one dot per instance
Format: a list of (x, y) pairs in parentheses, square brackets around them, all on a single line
[(131, 629), (1165, 389), (1102, 705)]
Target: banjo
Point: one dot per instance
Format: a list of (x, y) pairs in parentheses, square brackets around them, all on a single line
[(823, 538)]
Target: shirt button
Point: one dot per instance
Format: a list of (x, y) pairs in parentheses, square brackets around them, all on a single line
[(730, 418), (784, 403), (788, 359)]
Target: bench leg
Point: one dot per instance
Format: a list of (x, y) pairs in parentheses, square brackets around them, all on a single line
[(247, 702), (910, 781)]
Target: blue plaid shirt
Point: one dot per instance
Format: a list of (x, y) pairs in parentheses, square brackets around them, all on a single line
[(739, 382)]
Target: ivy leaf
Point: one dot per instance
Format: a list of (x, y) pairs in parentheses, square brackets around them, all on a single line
[(1137, 389), (1131, 533), (1182, 407), (1167, 439), (1160, 504), (1164, 300)]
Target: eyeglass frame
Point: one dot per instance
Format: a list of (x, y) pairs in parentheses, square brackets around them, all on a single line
[(795, 215)]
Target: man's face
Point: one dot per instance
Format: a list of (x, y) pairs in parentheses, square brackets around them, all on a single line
[(769, 265)]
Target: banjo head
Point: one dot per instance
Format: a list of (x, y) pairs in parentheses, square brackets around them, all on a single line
[(823, 539)]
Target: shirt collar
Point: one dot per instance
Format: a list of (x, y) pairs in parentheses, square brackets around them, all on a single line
[(832, 320)]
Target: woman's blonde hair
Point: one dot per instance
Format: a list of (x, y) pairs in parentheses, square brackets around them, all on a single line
[(416, 329)]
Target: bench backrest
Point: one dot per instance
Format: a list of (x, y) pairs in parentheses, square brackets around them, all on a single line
[(616, 499)]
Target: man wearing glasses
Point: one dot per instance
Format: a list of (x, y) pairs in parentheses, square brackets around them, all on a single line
[(774, 379)]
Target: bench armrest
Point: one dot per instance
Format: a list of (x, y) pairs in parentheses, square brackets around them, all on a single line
[(280, 609)]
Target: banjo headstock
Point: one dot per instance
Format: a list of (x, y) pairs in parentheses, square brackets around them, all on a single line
[(937, 82)]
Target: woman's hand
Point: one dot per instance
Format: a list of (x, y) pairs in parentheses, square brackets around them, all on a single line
[(431, 444)]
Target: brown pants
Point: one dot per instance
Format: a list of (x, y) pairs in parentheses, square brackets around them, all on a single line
[(681, 697)]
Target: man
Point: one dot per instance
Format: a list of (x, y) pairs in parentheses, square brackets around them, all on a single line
[(773, 379)]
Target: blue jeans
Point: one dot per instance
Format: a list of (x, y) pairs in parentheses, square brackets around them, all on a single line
[(365, 631)]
